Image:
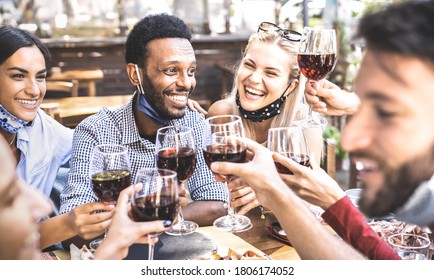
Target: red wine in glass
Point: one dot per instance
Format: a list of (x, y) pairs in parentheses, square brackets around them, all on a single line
[(175, 150), (109, 174), (223, 140), (155, 197), (224, 153), (181, 160), (300, 159), (108, 184), (316, 66), (316, 57), (146, 208)]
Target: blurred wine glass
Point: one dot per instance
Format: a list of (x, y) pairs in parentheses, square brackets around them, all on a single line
[(155, 197), (317, 55), (110, 174), (223, 141), (175, 150), (410, 246), (289, 142)]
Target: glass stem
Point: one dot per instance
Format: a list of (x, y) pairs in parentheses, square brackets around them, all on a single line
[(231, 211), (151, 247), (180, 215), (310, 107)]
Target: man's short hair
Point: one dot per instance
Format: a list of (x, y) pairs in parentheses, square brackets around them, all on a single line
[(156, 26), (405, 29)]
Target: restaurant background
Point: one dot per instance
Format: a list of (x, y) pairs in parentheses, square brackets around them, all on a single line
[(90, 34)]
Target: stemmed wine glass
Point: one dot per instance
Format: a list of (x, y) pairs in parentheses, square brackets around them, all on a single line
[(110, 174), (290, 142), (175, 150), (223, 141), (317, 55), (314, 135), (155, 197)]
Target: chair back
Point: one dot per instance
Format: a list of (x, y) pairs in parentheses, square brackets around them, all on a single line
[(329, 159)]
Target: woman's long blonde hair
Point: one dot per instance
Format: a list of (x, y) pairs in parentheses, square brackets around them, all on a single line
[(289, 107)]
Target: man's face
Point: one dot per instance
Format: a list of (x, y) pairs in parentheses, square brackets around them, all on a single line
[(169, 76), (391, 137)]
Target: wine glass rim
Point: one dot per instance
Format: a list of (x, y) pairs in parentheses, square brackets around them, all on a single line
[(124, 149), (164, 130), (423, 246), (236, 119)]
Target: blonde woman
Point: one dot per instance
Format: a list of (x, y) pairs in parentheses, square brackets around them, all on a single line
[(265, 93)]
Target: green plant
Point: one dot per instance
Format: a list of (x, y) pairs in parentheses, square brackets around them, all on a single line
[(334, 133)]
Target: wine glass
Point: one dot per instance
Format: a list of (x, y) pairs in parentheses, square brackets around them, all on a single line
[(175, 150), (223, 141), (317, 55), (410, 246), (155, 197), (289, 142), (313, 131), (110, 174)]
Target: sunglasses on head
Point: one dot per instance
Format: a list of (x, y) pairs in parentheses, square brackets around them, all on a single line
[(288, 34)]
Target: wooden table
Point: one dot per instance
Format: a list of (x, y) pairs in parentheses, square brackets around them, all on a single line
[(258, 237), (84, 77), (72, 110)]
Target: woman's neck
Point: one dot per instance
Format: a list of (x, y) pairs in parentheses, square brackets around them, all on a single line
[(261, 130)]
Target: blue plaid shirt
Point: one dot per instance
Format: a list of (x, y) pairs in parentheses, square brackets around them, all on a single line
[(119, 127)]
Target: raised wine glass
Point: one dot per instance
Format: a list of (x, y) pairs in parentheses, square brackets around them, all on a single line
[(110, 174), (289, 142), (317, 55), (155, 197), (223, 141), (292, 143), (175, 150)]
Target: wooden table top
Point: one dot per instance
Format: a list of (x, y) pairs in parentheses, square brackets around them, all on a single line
[(79, 74), (258, 237), (255, 239), (72, 110)]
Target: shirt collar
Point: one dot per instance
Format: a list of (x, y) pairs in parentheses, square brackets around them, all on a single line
[(127, 121)]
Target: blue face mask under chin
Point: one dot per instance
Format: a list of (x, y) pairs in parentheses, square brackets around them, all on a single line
[(9, 122), (146, 108)]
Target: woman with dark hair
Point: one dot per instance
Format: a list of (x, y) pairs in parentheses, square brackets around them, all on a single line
[(39, 144)]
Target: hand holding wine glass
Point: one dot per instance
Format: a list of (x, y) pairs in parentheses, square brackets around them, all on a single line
[(110, 174), (317, 55), (223, 141), (155, 198), (175, 150), (289, 142)]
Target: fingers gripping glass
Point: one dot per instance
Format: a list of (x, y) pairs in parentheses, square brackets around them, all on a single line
[(288, 34)]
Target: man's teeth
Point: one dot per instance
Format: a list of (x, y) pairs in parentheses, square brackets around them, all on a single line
[(254, 92), (363, 166), (27, 102), (178, 98)]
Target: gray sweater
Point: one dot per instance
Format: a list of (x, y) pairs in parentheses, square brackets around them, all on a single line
[(419, 208)]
